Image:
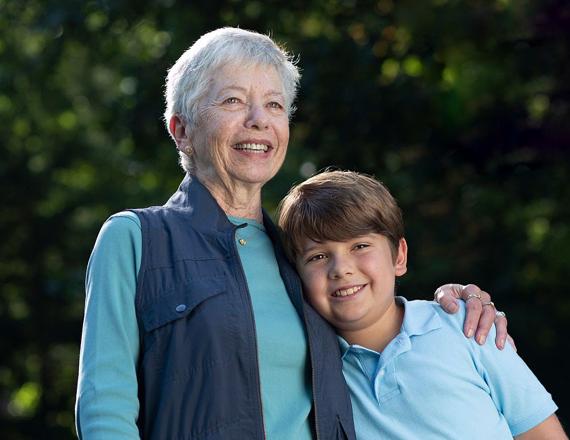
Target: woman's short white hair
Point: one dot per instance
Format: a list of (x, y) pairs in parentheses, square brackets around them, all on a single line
[(189, 78)]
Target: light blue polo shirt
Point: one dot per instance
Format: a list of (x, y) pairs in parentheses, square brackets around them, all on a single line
[(431, 382)]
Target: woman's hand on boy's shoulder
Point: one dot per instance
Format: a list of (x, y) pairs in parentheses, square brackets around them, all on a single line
[(481, 312)]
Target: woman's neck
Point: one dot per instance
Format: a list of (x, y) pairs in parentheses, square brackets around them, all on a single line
[(237, 200)]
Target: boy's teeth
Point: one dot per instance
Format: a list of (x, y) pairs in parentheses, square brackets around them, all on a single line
[(347, 292), (252, 147)]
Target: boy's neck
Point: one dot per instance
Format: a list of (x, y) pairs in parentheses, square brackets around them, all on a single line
[(377, 336)]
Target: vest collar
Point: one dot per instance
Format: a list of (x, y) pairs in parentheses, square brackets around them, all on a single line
[(203, 210), (192, 193)]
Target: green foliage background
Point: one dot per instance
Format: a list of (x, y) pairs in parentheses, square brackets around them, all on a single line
[(461, 107)]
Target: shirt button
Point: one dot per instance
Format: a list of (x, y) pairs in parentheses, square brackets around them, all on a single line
[(242, 241), (181, 308)]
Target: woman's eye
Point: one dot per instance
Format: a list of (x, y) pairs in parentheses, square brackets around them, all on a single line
[(231, 100), (275, 104)]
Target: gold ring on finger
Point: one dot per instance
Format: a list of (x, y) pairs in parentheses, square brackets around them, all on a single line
[(499, 314), (473, 295), (489, 303)]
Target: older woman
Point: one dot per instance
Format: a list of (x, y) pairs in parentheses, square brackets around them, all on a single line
[(195, 325)]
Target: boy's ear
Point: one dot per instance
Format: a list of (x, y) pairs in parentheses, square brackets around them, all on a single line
[(401, 264)]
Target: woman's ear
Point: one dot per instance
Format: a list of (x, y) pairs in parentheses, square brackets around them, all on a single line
[(401, 263), (179, 132)]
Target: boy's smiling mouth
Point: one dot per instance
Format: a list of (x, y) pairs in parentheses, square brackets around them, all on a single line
[(349, 291)]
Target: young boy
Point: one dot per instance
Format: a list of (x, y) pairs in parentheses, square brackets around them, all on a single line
[(411, 374)]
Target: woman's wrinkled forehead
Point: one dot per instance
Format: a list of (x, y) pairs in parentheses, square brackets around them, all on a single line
[(237, 73)]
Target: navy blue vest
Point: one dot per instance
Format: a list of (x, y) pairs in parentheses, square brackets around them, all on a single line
[(197, 372)]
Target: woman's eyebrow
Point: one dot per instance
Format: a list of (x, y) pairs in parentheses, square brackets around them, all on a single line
[(237, 88), (244, 90), (273, 93)]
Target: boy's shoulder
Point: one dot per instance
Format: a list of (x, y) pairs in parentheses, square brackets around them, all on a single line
[(418, 312), (421, 310)]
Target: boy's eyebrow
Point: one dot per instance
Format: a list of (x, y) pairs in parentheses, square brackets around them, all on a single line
[(309, 248)]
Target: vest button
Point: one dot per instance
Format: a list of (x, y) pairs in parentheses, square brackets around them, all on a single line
[(181, 308)]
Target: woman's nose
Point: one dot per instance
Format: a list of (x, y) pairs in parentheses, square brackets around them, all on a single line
[(257, 118)]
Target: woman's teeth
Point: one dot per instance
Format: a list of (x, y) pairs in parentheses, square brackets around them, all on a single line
[(255, 148)]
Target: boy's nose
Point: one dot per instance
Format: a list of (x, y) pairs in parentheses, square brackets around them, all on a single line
[(340, 267)]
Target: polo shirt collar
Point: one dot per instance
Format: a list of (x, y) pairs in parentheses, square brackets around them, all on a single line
[(419, 318)]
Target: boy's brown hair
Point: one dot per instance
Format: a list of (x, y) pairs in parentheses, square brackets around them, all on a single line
[(339, 206)]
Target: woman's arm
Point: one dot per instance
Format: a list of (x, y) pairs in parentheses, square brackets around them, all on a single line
[(481, 312), (550, 429), (107, 405)]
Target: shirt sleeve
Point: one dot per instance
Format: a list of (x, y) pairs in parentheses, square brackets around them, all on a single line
[(107, 403), (517, 393)]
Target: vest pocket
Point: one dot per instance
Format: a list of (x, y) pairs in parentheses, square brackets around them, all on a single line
[(179, 302), (189, 385)]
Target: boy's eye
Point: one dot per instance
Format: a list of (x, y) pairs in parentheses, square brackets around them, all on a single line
[(316, 257), (361, 245)]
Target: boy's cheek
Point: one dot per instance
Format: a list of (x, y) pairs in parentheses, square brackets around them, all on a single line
[(312, 288), (310, 294), (317, 301)]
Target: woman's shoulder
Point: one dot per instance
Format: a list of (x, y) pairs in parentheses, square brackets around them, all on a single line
[(119, 241), (119, 230), (121, 223), (124, 219)]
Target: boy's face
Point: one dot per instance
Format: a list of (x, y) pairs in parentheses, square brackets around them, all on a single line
[(351, 283)]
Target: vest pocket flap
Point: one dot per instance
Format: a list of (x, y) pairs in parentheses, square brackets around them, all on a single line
[(179, 302)]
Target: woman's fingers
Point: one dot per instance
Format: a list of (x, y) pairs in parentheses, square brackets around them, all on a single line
[(502, 335), (486, 319), (481, 312), (447, 295), (472, 295)]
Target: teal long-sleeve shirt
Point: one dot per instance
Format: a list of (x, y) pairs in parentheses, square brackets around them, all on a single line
[(107, 404)]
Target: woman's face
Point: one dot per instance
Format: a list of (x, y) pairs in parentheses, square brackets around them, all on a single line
[(242, 131)]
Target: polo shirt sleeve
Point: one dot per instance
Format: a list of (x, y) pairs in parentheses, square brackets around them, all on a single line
[(107, 405), (517, 393)]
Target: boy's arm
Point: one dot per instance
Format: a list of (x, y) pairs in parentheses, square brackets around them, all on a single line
[(481, 312), (550, 429), (517, 393)]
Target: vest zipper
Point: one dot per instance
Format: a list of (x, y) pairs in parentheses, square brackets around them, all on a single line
[(244, 279)]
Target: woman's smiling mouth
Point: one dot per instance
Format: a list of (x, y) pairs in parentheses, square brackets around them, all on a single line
[(251, 147)]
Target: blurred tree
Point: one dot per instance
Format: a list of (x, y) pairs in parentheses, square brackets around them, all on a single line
[(461, 107)]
